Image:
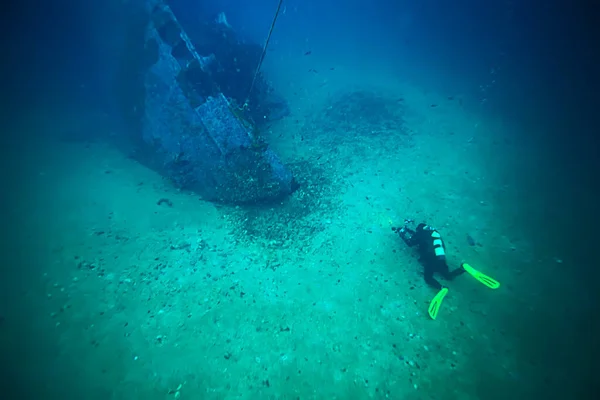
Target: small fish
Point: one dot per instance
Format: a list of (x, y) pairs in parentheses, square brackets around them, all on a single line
[(471, 241), (308, 53), (433, 106), (450, 97), (313, 70), (332, 69)]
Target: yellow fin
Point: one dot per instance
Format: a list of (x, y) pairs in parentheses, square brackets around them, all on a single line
[(435, 304), (486, 280)]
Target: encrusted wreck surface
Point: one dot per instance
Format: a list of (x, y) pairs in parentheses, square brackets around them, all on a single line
[(202, 141)]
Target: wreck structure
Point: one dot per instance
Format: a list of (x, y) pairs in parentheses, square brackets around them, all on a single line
[(186, 102)]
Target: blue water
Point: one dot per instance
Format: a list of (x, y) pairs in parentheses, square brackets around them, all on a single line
[(478, 118)]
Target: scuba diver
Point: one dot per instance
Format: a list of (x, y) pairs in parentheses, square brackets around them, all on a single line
[(432, 251)]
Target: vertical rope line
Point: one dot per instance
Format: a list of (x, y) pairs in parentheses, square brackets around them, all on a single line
[(264, 52)]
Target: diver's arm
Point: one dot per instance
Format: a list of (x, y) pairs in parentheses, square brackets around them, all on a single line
[(409, 236)]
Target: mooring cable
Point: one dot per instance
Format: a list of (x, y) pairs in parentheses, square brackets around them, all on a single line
[(264, 52)]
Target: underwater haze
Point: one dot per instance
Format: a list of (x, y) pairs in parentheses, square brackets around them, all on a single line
[(221, 199)]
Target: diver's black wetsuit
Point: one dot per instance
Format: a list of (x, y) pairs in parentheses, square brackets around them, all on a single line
[(432, 251)]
